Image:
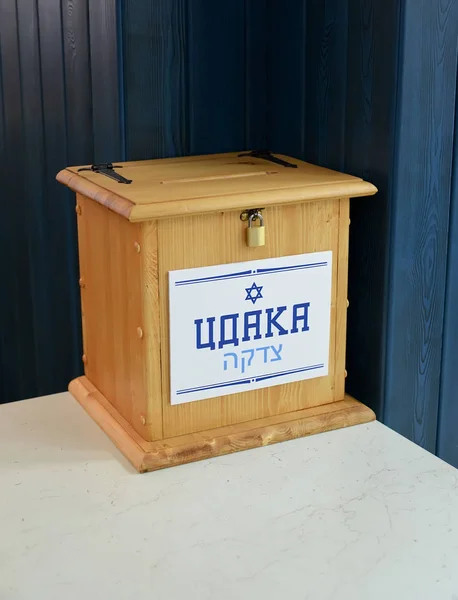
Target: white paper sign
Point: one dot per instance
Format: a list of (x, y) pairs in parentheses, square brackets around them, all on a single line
[(250, 325)]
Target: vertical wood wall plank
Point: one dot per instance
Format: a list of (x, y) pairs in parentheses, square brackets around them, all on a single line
[(16, 332), (369, 153), (34, 162), (383, 111), (59, 236), (79, 143), (155, 66), (256, 74), (326, 82), (78, 82), (286, 79), (106, 84), (3, 274), (447, 438), (216, 64), (40, 338), (420, 205)]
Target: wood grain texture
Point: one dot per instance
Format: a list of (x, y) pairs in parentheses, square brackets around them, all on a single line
[(286, 84), (210, 184), (155, 69), (124, 282), (112, 310), (151, 320), (340, 111), (240, 201), (108, 130), (447, 440), (420, 203), (41, 341), (3, 309), (79, 148), (18, 350), (369, 146), (112, 422), (47, 223), (197, 241), (106, 198), (342, 298), (380, 102), (216, 75), (33, 155), (78, 82), (59, 236), (326, 82), (256, 74), (180, 450)]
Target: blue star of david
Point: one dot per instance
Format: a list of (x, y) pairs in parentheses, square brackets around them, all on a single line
[(251, 290)]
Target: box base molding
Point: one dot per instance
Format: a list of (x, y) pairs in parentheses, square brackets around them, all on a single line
[(150, 456)]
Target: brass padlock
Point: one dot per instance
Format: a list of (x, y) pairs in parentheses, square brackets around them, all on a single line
[(256, 236)]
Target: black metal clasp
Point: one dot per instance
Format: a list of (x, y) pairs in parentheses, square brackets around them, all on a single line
[(267, 155), (107, 169)]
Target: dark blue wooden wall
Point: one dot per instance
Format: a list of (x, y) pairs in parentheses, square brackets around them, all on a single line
[(447, 438), (194, 76), (89, 81), (358, 85), (376, 96), (422, 186)]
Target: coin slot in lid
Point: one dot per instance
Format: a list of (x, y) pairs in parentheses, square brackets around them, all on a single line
[(216, 177)]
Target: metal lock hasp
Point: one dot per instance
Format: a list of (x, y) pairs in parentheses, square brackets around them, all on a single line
[(256, 235)]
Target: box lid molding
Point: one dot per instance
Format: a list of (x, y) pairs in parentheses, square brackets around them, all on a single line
[(209, 184)]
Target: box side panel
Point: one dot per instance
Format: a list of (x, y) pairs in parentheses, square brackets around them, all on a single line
[(204, 240), (342, 299), (111, 283), (152, 335)]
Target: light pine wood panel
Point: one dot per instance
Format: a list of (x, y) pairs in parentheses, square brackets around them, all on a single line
[(268, 198), (111, 298), (342, 299), (210, 179), (150, 456), (151, 330), (108, 199), (198, 241), (162, 189)]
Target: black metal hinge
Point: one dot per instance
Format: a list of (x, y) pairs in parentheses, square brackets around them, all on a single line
[(267, 155), (108, 170)]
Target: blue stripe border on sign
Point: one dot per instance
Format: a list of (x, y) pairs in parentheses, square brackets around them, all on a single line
[(250, 273), (248, 380)]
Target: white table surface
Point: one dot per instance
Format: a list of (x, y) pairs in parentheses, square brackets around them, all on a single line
[(359, 513)]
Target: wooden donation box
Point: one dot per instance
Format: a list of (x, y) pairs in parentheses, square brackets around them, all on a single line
[(214, 302)]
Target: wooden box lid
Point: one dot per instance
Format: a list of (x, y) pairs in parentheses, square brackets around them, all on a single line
[(200, 184)]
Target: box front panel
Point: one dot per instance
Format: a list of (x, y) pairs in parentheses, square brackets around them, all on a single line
[(219, 239)]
